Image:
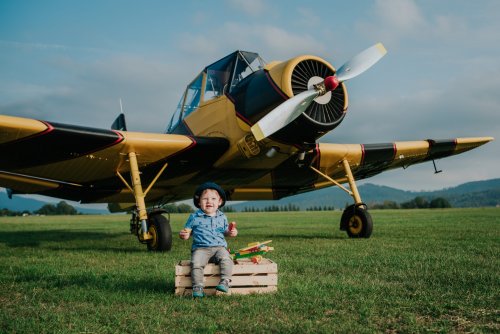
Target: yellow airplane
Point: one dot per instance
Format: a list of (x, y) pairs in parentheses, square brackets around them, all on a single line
[(249, 126)]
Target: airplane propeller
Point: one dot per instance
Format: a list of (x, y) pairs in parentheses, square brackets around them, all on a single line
[(289, 110)]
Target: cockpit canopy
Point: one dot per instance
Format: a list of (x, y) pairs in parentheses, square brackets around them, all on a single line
[(214, 81)]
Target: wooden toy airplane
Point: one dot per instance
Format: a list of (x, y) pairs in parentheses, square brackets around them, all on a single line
[(254, 251)]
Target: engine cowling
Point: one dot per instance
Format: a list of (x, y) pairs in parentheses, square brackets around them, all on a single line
[(264, 90)]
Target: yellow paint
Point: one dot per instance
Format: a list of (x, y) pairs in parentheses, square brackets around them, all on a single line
[(14, 128), (281, 74), (26, 184), (240, 194), (149, 148)]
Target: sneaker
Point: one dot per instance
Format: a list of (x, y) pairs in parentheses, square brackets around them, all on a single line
[(223, 285), (198, 292)]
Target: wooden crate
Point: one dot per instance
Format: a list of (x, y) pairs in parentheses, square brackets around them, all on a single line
[(247, 278)]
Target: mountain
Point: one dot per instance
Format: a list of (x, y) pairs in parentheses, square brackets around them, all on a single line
[(21, 203), (471, 194)]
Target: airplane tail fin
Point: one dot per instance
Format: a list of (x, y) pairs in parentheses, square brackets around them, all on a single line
[(119, 123)]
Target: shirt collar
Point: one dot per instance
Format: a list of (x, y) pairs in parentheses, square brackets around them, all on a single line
[(201, 213)]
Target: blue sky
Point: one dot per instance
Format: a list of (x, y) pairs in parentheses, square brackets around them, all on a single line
[(71, 61)]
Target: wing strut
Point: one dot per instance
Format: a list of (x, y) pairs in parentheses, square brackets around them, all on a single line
[(139, 194), (350, 178), (355, 220)]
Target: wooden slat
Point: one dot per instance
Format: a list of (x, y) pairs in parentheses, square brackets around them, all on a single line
[(242, 267), (187, 291), (247, 278), (243, 280)]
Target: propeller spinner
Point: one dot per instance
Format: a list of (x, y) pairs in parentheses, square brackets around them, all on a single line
[(289, 110)]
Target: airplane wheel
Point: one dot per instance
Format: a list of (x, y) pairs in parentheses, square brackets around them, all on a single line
[(160, 229), (357, 222)]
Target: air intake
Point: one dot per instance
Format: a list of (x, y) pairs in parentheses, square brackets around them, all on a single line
[(328, 112)]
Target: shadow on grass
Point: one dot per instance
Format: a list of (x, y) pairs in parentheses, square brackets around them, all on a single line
[(35, 238), (90, 281)]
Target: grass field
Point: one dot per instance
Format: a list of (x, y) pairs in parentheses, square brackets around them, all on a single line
[(421, 271)]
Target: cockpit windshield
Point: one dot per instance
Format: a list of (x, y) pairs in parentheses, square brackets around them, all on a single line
[(247, 63), (221, 77)]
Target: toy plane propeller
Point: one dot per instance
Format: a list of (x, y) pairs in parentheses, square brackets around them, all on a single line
[(250, 126)]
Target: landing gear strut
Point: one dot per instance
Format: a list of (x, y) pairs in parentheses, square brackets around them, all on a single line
[(150, 228), (355, 220)]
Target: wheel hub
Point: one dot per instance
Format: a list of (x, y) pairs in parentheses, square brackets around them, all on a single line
[(355, 225)]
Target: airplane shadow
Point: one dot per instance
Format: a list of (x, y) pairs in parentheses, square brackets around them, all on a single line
[(65, 239), (103, 282)]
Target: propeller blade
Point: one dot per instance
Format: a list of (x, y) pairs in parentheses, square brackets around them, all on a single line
[(283, 114), (361, 62)]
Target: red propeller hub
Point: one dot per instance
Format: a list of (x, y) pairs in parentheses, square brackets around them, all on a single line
[(331, 83)]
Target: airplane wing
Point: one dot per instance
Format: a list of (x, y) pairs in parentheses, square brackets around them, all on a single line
[(365, 160), (82, 164)]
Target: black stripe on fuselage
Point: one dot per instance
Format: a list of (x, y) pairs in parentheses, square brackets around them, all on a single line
[(58, 143)]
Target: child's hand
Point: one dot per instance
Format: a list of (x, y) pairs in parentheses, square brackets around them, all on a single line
[(185, 233), (232, 231)]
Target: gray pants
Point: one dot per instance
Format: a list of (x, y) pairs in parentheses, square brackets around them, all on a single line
[(201, 256)]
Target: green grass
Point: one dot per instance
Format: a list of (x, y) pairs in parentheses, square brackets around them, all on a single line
[(421, 271)]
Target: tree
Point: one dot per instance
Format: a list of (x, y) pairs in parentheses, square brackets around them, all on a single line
[(421, 202), (184, 208), (62, 208), (47, 210), (385, 205), (439, 202)]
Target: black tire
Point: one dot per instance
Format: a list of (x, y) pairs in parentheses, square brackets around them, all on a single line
[(357, 222), (160, 229)]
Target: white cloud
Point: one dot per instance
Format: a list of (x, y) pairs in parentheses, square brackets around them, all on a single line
[(253, 7), (401, 15), (270, 41), (308, 18), (149, 89)]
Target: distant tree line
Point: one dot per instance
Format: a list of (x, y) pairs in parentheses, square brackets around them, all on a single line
[(273, 208), (178, 208), (186, 208), (319, 208), (284, 208), (61, 208), (418, 202)]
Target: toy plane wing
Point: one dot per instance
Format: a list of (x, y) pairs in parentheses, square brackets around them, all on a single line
[(87, 164)]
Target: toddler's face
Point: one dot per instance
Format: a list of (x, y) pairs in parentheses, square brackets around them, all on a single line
[(210, 201)]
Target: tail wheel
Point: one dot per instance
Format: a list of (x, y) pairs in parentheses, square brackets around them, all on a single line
[(357, 222), (160, 230)]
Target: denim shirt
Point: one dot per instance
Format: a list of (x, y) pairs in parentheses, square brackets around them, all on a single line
[(207, 231)]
